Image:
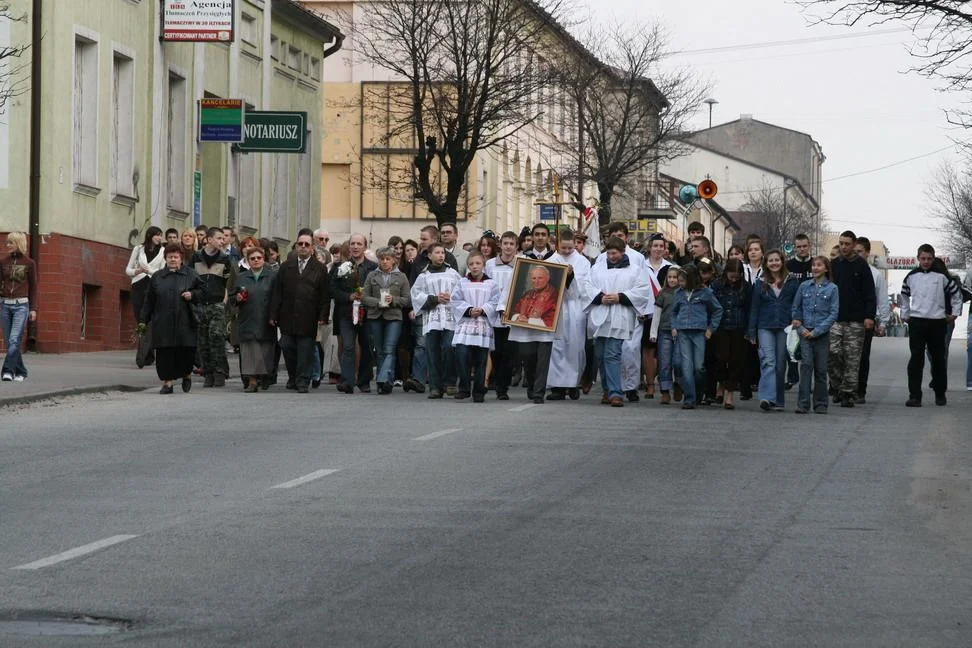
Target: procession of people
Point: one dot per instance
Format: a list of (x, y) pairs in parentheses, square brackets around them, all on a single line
[(537, 309)]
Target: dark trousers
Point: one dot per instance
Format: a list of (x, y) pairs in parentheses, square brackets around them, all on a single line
[(930, 334), (503, 357), (590, 368), (174, 363), (536, 364), (298, 353), (441, 355), (750, 375), (472, 362), (710, 377), (814, 356), (865, 370), (730, 349), (351, 337)]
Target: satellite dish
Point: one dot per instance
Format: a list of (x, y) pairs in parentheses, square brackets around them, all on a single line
[(688, 194)]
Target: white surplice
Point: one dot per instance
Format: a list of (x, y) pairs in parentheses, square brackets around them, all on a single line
[(618, 320), (475, 331), (440, 317), (631, 348), (568, 356)]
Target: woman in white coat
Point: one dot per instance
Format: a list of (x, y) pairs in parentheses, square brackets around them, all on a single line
[(146, 260)]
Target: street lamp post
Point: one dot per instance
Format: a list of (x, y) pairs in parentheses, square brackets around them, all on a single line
[(711, 102)]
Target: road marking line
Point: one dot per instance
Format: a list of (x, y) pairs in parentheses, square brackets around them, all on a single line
[(76, 552), (317, 474), (523, 408), (436, 435)]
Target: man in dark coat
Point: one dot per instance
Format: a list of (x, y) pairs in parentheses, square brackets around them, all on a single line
[(347, 289), (300, 302)]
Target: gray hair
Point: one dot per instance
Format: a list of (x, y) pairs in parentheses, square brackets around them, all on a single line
[(319, 231), (386, 251)]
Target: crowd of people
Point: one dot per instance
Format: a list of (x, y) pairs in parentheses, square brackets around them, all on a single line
[(430, 316)]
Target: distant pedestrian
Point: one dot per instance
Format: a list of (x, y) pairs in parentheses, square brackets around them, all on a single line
[(883, 312), (18, 289), (669, 368), (729, 340), (929, 300), (431, 295), (257, 338), (695, 316), (146, 259), (858, 309), (815, 310), (218, 274), (474, 302), (169, 309), (799, 267)]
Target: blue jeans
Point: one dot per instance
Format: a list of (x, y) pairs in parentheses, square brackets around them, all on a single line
[(772, 365), (440, 353), (669, 368), (472, 361), (14, 320), (384, 336), (420, 358), (607, 352), (814, 355), (691, 350)]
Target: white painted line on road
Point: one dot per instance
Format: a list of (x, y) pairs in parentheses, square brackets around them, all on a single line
[(76, 552), (317, 474), (436, 435), (523, 408)]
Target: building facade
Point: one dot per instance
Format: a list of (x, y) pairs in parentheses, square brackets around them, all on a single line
[(118, 150)]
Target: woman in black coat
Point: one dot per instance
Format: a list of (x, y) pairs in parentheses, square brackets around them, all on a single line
[(254, 289), (168, 308)]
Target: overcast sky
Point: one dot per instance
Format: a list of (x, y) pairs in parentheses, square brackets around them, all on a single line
[(852, 95)]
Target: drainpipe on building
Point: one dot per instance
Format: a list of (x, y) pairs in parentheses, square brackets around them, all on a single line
[(33, 222), (338, 42)]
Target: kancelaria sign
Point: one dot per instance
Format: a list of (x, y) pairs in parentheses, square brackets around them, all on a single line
[(198, 20)]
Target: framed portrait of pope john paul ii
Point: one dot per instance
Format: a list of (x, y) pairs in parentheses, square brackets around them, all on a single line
[(536, 294)]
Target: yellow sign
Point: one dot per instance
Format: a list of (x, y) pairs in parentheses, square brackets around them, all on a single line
[(643, 225)]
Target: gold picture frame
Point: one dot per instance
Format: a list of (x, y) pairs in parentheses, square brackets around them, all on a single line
[(528, 305)]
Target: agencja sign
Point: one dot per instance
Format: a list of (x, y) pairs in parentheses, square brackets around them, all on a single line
[(198, 20), (273, 131)]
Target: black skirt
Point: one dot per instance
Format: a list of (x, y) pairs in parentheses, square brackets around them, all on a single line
[(174, 363)]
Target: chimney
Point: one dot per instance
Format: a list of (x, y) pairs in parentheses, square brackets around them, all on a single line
[(746, 117)]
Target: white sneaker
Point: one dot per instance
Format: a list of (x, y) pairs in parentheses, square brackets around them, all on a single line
[(969, 388), (20, 378), (7, 377)]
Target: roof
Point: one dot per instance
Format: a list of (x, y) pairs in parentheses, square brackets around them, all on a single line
[(757, 121), (785, 177), (310, 22)]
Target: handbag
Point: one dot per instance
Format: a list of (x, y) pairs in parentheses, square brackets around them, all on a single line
[(793, 344)]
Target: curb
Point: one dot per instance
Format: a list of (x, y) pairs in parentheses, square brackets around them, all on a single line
[(27, 399)]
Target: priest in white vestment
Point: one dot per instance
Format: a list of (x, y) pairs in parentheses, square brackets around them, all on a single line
[(567, 358)]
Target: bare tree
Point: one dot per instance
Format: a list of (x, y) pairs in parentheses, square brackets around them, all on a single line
[(942, 32), (775, 219), (950, 193), (631, 110), (461, 84), (14, 75)]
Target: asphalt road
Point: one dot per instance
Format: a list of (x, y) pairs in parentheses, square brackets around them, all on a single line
[(219, 522)]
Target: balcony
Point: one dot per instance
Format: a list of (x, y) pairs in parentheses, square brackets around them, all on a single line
[(660, 200)]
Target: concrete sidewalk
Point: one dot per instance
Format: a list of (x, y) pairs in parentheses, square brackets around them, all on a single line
[(55, 375)]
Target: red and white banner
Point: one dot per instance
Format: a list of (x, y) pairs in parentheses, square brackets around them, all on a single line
[(198, 20), (909, 262)]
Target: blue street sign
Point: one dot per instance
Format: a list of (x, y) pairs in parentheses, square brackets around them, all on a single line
[(549, 212)]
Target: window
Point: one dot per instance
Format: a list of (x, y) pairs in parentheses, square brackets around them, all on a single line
[(247, 204), (176, 152), (281, 194), (248, 29), (85, 158), (304, 187), (293, 58), (123, 125), (315, 68), (275, 48)]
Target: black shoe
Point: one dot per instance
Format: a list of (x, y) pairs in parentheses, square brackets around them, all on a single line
[(765, 405), (209, 381), (941, 401), (303, 389), (788, 385), (502, 396), (632, 396), (386, 389), (166, 389), (538, 400), (219, 380), (913, 402), (848, 399), (860, 400), (573, 394), (186, 384), (556, 395), (364, 389), (315, 384), (688, 406), (411, 384), (461, 395), (265, 383), (479, 398), (345, 389), (291, 385), (251, 389)]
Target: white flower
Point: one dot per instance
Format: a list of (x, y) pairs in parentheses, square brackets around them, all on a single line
[(344, 269)]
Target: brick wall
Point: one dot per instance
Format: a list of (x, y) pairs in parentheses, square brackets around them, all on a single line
[(71, 271)]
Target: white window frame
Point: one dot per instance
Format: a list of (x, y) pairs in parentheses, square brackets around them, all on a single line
[(178, 113), (123, 160), (248, 28), (294, 58), (315, 68), (85, 142)]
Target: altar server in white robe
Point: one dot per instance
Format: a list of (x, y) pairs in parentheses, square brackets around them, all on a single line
[(474, 302), (631, 355), (622, 294), (567, 358), (431, 295)]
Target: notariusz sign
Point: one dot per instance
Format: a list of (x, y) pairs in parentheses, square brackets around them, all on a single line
[(268, 131)]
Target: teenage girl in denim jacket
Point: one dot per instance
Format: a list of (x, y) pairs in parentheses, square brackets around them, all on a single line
[(814, 312), (695, 315)]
